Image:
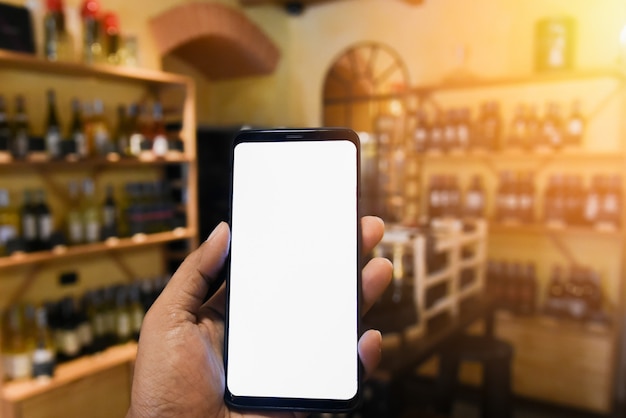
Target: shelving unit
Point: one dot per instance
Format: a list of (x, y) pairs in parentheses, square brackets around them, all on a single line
[(32, 276), (451, 239), (603, 151)]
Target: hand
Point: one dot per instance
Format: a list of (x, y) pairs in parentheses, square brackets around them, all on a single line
[(179, 371)]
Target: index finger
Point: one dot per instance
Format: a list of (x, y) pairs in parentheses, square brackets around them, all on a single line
[(372, 230)]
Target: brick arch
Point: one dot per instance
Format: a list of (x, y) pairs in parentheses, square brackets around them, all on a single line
[(219, 41)]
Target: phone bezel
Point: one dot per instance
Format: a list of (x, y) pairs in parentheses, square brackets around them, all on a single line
[(297, 404)]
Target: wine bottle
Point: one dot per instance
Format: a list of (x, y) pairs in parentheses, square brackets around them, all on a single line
[(526, 198), (554, 201), (121, 136), (160, 143), (109, 315), (434, 197), (16, 355), (21, 129), (90, 212), (450, 140), (421, 131), (111, 38), (5, 129), (463, 128), (435, 139), (54, 27), (53, 128), (74, 221), (123, 321), (9, 222), (84, 329), (552, 127), (44, 354), (92, 305), (29, 221), (136, 309), (69, 339), (92, 42), (109, 215), (136, 137), (77, 131), (474, 202), (556, 304), (101, 140), (44, 221), (574, 127), (491, 126)]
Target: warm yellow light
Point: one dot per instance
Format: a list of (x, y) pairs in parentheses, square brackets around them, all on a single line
[(396, 108), (622, 36)]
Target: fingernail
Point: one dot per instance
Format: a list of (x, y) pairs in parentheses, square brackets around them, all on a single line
[(379, 335), (217, 229)]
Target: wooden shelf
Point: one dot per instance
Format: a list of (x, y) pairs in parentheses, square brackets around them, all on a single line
[(478, 83), (540, 229), (545, 78), (113, 244), (551, 323), (70, 372), (26, 62), (92, 163), (508, 156)]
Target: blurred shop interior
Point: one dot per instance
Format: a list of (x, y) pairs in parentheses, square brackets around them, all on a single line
[(493, 146)]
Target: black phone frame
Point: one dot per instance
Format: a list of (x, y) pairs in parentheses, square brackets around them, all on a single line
[(296, 404)]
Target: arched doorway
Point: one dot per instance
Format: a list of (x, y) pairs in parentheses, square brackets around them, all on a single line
[(365, 89)]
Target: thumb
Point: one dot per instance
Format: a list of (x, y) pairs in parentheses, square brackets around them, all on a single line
[(189, 285)]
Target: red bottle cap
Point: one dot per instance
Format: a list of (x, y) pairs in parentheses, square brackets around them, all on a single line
[(54, 5), (111, 22), (91, 8)]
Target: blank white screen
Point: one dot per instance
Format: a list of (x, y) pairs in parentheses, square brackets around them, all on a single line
[(293, 277)]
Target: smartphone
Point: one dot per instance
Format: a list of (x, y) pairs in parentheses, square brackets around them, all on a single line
[(294, 271)]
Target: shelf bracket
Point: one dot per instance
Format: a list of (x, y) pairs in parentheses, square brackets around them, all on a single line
[(123, 265), (567, 253), (26, 283)]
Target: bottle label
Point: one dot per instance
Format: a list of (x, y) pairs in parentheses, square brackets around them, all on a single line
[(137, 319), (70, 343), (21, 144), (53, 143), (29, 227), (101, 140), (435, 199), (81, 143), (592, 207), (109, 321), (92, 232), (611, 204), (124, 327), (98, 325), (474, 201), (575, 127), (526, 201), (7, 233), (45, 227), (135, 143), (463, 135), (17, 366), (43, 362), (75, 230), (420, 138), (108, 216), (160, 145), (85, 334)]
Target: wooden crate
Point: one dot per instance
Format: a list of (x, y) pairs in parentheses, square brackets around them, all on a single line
[(451, 238)]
